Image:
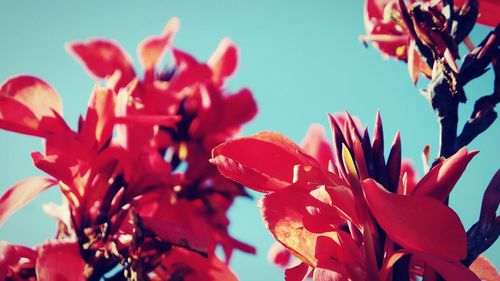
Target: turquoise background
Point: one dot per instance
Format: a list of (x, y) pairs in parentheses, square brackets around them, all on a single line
[(302, 60)]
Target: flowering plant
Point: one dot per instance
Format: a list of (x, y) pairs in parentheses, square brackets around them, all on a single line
[(139, 196)]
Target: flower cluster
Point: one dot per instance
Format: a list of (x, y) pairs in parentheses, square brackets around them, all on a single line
[(140, 199), (348, 214)]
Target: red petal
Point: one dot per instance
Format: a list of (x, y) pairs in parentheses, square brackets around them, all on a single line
[(298, 273), (488, 11), (149, 120), (175, 234), (151, 50), (316, 145), (223, 62), (484, 269), (60, 260), (263, 162), (11, 256), (279, 255), (24, 102), (284, 210), (21, 194), (417, 223), (102, 58), (441, 179), (239, 108), (98, 125), (190, 71), (190, 266)]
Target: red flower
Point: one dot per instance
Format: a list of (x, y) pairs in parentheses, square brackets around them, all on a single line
[(339, 221), (128, 198), (408, 31)]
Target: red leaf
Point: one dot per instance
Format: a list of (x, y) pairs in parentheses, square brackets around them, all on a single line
[(21, 194), (441, 179), (417, 223), (224, 60), (102, 58), (60, 260), (24, 102), (263, 162)]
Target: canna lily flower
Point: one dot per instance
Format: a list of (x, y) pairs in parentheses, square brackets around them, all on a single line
[(354, 219), (148, 190), (195, 92)]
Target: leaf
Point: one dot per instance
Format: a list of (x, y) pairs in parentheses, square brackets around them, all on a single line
[(26, 101), (441, 179), (417, 223), (21, 194)]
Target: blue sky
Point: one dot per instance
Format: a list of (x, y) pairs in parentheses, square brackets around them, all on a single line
[(302, 60)]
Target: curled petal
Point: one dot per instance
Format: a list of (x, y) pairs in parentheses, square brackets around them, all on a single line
[(441, 179), (21, 194), (26, 101), (417, 223)]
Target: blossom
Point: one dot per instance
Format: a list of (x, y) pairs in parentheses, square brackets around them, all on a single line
[(359, 215), (127, 199), (420, 32)]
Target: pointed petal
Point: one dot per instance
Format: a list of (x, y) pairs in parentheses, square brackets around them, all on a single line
[(441, 179), (413, 62), (394, 164), (60, 260), (263, 162), (21, 194), (417, 223), (223, 62), (24, 102)]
